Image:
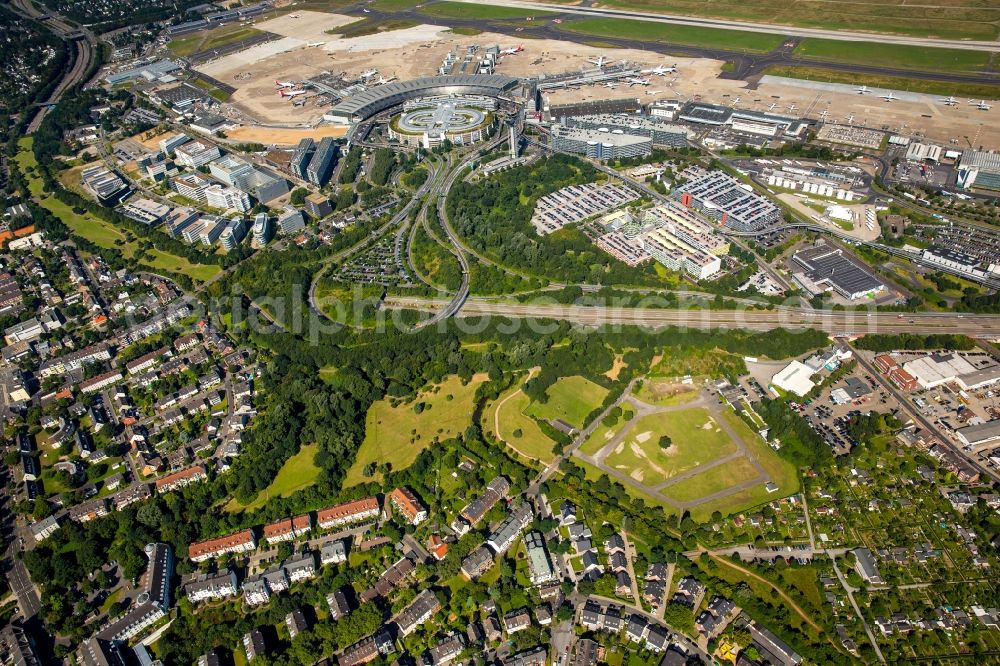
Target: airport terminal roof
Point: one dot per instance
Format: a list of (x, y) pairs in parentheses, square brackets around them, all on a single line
[(378, 98)]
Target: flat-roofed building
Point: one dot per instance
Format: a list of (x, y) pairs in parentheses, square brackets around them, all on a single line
[(144, 211), (724, 199), (829, 267), (321, 164), (598, 144), (227, 198), (195, 154), (539, 564)]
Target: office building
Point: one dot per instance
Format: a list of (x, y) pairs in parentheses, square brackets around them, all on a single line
[(144, 211), (227, 198), (318, 206), (321, 165), (195, 154), (192, 186), (290, 221), (107, 186), (301, 157), (827, 267), (168, 145), (261, 229), (539, 564), (979, 169), (234, 233)]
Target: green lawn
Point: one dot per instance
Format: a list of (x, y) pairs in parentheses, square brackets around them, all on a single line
[(711, 481), (519, 431), (696, 439), (297, 473), (894, 55), (485, 11), (397, 434), (981, 90), (594, 473), (600, 437), (370, 27), (731, 40), (570, 399), (970, 20), (204, 41)]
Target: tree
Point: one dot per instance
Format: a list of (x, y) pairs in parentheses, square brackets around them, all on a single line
[(665, 442), (298, 196)]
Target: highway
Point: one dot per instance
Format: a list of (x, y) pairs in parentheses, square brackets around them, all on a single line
[(746, 26), (82, 58), (834, 322)]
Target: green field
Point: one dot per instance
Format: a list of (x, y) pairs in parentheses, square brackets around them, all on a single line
[(894, 55), (947, 19), (519, 431), (297, 473), (214, 39), (370, 27), (485, 11), (397, 434), (600, 437), (980, 90), (570, 399), (731, 40), (712, 480), (696, 440)]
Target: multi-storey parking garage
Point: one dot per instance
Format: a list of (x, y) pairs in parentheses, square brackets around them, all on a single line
[(377, 99)]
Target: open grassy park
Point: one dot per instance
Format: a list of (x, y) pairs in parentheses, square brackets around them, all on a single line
[(506, 418), (695, 440), (712, 480), (570, 399), (297, 473), (396, 433)]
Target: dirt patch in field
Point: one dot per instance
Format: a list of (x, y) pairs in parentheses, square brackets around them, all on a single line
[(662, 390), (616, 368), (281, 136)]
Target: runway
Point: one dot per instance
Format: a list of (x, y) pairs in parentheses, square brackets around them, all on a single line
[(746, 26), (745, 65), (836, 323)]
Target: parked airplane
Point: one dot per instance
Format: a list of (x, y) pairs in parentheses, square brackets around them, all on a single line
[(791, 109), (636, 81), (661, 70), (382, 80), (823, 115), (367, 11), (951, 101), (850, 119), (291, 93), (653, 92), (284, 84), (889, 96), (610, 85), (772, 107), (370, 73), (736, 100), (600, 61), (293, 16), (864, 90), (514, 50), (981, 104), (313, 45)]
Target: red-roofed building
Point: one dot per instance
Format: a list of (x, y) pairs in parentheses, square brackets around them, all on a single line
[(902, 379), (181, 478), (885, 363), (348, 512), (437, 547), (238, 542), (407, 504), (288, 528)]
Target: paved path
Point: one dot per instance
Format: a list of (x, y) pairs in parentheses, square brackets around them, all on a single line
[(850, 597), (781, 593), (671, 567), (630, 557)]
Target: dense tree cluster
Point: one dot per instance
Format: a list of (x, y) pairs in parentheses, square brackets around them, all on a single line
[(884, 342)]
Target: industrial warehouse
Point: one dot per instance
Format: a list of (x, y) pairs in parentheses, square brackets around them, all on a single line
[(825, 267)]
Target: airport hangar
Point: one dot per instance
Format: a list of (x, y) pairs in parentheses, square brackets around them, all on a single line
[(364, 105)]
